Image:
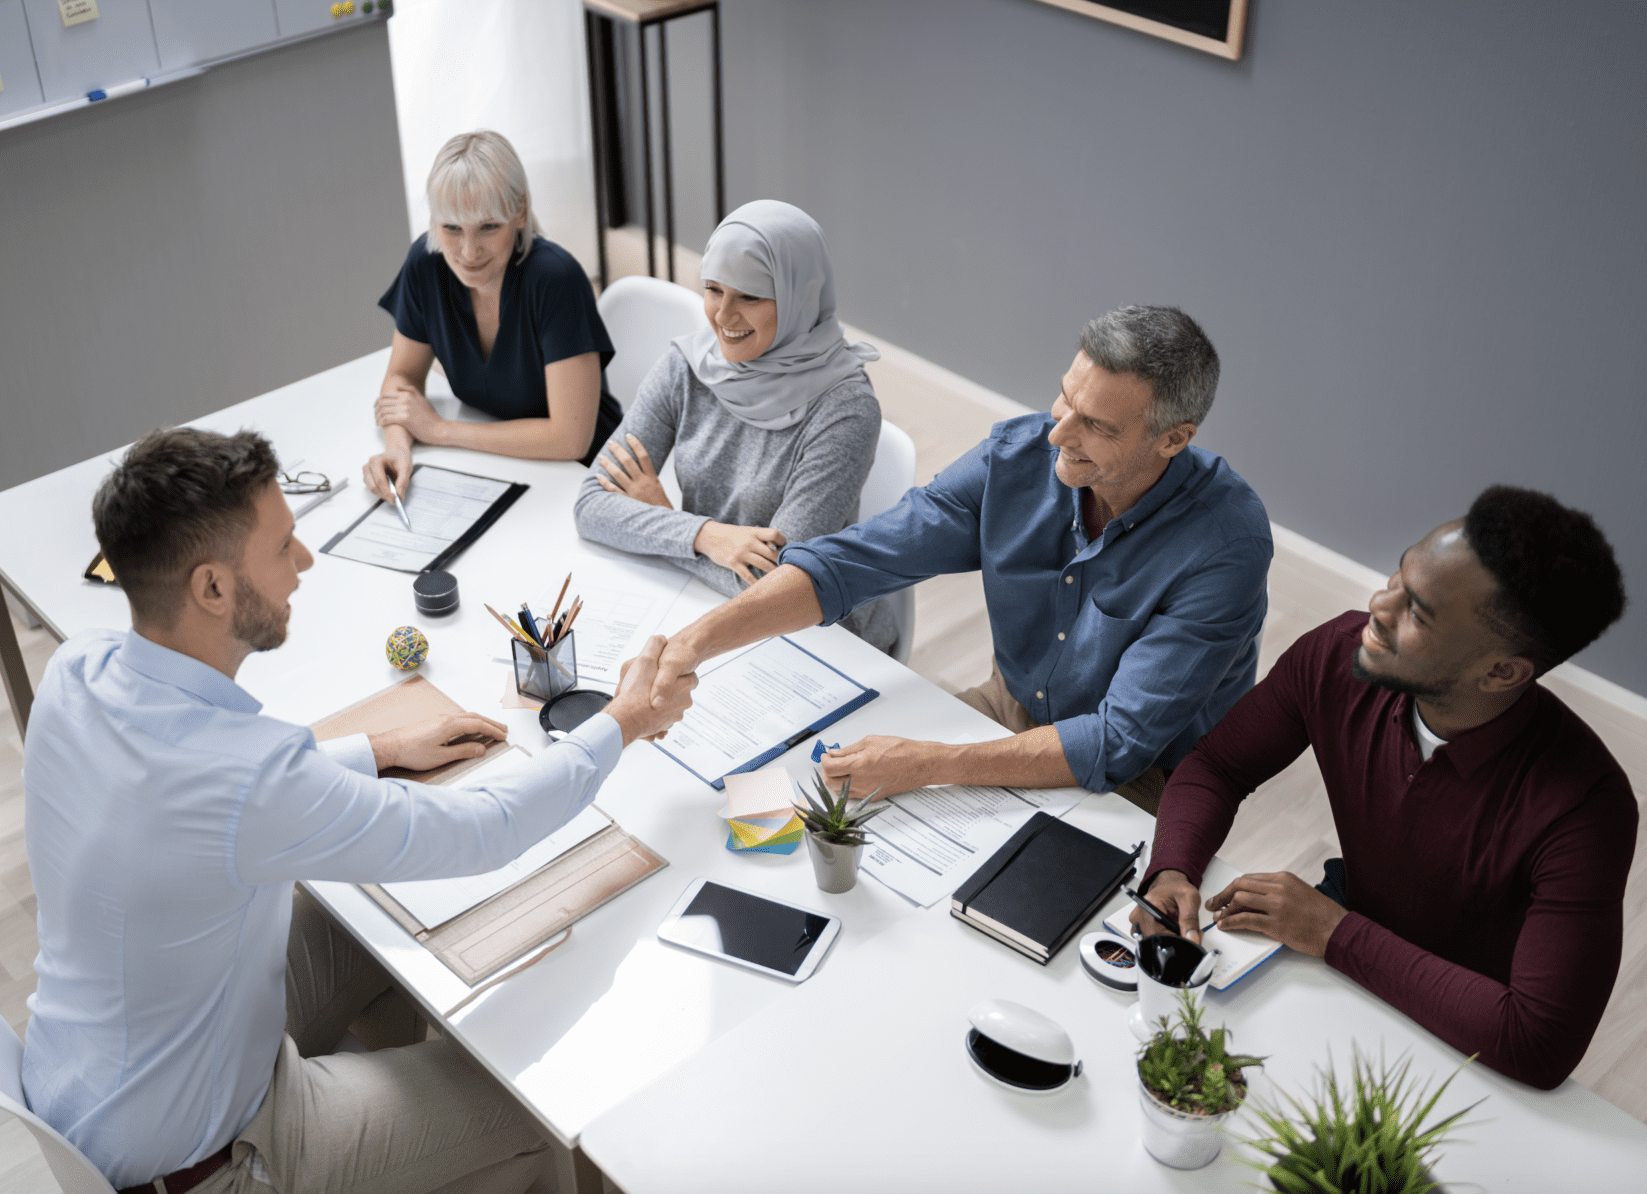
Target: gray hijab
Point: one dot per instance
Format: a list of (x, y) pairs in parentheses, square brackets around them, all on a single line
[(774, 250)]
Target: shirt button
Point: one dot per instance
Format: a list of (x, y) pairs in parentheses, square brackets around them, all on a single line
[(1069, 580), (1040, 696), (1060, 636)]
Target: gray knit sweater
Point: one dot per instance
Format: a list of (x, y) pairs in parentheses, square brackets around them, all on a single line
[(803, 480)]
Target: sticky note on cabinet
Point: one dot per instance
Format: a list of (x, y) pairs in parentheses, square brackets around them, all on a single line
[(76, 12)]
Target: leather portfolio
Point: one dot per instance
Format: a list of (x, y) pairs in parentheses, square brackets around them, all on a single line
[(480, 942)]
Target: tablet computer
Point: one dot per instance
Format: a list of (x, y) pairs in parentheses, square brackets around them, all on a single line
[(750, 930)]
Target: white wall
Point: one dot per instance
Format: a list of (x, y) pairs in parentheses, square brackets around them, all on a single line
[(516, 68), (175, 251)]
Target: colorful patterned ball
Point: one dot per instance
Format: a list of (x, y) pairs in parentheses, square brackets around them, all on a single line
[(407, 648)]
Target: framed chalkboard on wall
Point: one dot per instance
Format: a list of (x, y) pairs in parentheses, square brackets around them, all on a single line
[(1216, 26)]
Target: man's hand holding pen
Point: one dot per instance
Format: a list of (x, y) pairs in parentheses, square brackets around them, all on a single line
[(1175, 896)]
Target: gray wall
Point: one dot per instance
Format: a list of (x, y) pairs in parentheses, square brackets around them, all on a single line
[(1415, 231), (174, 252)]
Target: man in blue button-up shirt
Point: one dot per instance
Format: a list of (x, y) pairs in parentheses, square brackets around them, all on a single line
[(1124, 571), (167, 819)]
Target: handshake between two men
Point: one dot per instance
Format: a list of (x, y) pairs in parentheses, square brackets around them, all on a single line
[(644, 706)]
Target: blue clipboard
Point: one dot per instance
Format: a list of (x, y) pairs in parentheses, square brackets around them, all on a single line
[(761, 760)]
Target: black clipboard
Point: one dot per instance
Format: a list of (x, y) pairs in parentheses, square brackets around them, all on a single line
[(459, 545)]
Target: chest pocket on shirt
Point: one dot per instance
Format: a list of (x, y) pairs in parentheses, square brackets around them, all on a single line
[(1099, 640)]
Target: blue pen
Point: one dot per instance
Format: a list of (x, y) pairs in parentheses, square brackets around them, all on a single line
[(531, 626)]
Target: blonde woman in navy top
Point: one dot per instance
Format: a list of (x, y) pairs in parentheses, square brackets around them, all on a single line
[(510, 316)]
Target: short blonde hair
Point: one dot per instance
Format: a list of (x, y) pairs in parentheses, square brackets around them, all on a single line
[(478, 176)]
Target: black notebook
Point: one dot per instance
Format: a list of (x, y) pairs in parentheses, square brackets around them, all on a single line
[(1041, 886)]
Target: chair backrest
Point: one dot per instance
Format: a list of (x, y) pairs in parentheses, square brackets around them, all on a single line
[(643, 315), (68, 1165), (890, 477), (892, 474)]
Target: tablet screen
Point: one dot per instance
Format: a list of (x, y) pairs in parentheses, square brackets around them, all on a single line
[(726, 921)]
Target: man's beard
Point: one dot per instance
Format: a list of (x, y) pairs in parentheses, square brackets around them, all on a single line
[(1413, 688), (257, 623)]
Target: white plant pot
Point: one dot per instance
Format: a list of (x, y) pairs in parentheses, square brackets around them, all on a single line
[(1178, 1139)]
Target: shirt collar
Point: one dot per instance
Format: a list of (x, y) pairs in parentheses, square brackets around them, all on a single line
[(1166, 485), (166, 666), (1472, 748)]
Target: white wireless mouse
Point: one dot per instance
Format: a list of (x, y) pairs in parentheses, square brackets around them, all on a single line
[(1017, 1047)]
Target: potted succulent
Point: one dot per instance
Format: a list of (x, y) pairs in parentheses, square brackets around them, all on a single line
[(1369, 1138), (835, 837), (1188, 1084)]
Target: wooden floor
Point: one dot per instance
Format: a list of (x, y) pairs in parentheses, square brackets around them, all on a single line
[(1286, 825)]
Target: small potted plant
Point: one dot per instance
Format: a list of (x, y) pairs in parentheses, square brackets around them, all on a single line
[(1189, 1083), (834, 837), (1369, 1138)]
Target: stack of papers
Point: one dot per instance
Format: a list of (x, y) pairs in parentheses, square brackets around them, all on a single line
[(760, 812), (932, 839)]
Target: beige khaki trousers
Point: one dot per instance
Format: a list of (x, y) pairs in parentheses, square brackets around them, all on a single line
[(992, 699), (406, 1120)]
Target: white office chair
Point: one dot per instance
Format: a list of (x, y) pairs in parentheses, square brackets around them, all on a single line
[(67, 1164), (643, 315), (890, 477)]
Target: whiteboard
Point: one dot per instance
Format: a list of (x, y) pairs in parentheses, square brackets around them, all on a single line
[(44, 66), (189, 32), (19, 81), (115, 48)]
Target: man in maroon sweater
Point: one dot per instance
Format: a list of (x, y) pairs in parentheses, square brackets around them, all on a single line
[(1486, 830)]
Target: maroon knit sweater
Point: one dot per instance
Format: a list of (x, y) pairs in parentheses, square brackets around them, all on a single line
[(1485, 885)]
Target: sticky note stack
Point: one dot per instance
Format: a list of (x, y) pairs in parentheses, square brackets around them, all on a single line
[(760, 812)]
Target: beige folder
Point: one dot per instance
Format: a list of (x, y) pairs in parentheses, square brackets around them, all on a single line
[(481, 941)]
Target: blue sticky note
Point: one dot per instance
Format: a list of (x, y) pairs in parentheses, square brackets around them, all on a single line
[(818, 750)]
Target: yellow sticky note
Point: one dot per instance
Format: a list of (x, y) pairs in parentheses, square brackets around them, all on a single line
[(76, 12)]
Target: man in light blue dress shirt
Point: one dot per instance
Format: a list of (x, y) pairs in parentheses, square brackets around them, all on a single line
[(1124, 571), (183, 1012)]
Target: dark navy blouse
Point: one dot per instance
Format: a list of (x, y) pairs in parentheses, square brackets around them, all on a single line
[(546, 313)]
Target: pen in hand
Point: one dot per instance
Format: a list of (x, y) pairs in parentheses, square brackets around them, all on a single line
[(1160, 916)]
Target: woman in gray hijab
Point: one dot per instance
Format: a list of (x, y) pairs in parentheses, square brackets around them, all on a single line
[(768, 413)]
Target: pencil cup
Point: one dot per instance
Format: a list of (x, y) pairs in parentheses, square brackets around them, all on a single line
[(544, 673), (1165, 966)]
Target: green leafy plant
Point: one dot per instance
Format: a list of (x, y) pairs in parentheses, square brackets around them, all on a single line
[(827, 819), (1367, 1140), (1191, 1069)]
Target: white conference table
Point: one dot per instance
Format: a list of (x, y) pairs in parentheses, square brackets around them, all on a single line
[(678, 1073)]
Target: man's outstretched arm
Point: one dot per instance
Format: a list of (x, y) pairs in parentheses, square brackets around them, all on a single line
[(781, 601)]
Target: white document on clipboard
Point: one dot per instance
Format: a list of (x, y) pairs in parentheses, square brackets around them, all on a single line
[(755, 706), (443, 507)]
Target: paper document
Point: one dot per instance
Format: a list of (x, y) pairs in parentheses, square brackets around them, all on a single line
[(622, 607), (436, 901), (442, 506), (750, 709), (1239, 953), (932, 839)]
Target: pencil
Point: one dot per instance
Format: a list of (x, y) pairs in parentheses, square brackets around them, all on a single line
[(564, 585), (571, 616), (514, 630)]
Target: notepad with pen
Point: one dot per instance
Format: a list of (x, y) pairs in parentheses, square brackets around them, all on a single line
[(1038, 889)]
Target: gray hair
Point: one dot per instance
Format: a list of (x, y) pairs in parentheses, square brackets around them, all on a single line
[(1166, 348), (478, 176)]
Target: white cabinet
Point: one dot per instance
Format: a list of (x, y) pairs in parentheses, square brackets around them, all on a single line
[(19, 81), (188, 32), (115, 48)]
